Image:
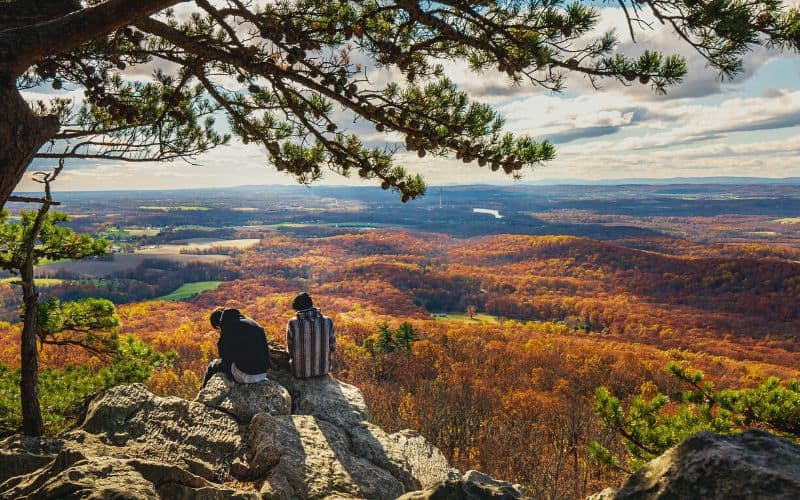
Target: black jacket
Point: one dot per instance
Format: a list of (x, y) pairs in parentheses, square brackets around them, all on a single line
[(242, 341)]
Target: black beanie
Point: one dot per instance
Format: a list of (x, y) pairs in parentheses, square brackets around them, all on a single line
[(302, 301)]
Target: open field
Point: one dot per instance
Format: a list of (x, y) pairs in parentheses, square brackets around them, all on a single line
[(189, 290), (787, 220), (479, 318), (89, 268), (139, 231), (180, 208), (43, 282), (199, 244)]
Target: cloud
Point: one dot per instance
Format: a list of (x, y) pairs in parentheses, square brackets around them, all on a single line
[(704, 127)]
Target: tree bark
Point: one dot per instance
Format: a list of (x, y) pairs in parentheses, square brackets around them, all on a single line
[(23, 12), (32, 424), (23, 46), (21, 135)]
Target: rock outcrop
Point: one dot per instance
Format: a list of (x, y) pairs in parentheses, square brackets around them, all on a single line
[(267, 396), (752, 465), (473, 486), (280, 438)]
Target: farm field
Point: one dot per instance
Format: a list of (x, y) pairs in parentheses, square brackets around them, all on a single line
[(101, 268), (189, 290), (44, 282), (198, 244), (477, 319), (181, 208), (139, 231)]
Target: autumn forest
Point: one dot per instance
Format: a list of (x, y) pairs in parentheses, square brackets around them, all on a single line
[(512, 333)]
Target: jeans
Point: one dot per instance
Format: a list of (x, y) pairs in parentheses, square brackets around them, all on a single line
[(215, 366)]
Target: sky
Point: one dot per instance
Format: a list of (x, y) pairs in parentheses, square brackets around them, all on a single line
[(703, 127)]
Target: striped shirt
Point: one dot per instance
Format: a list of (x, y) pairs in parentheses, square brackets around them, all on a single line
[(311, 338)]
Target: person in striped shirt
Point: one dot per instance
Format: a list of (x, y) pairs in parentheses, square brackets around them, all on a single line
[(311, 339)]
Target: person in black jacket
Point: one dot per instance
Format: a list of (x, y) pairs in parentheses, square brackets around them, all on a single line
[(242, 346)]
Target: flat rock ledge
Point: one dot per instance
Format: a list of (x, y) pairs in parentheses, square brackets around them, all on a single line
[(753, 465), (281, 438)]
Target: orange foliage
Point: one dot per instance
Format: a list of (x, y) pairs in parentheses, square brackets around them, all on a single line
[(512, 399)]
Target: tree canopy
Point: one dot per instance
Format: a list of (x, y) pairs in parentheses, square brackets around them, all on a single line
[(52, 241), (286, 75), (654, 422)]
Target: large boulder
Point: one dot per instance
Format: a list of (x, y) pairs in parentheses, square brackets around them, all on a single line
[(326, 398), (73, 475), (752, 465), (244, 401), (279, 357), (129, 421), (473, 485), (21, 455), (301, 456), (231, 442), (411, 458)]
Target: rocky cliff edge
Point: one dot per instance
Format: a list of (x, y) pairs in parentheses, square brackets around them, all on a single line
[(282, 438)]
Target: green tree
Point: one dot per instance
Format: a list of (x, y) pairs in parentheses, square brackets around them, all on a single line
[(91, 324), (23, 244), (654, 422), (385, 341), (283, 72), (63, 392), (405, 335)]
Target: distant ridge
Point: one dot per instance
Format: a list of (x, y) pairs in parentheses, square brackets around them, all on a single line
[(667, 181), (321, 188)]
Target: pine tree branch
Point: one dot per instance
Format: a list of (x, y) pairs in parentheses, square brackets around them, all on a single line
[(30, 199)]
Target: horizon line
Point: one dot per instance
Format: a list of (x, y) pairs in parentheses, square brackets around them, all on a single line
[(623, 181)]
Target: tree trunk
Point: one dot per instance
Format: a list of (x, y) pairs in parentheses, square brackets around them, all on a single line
[(21, 135), (32, 424)]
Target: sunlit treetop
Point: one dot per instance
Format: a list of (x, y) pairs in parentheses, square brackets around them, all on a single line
[(289, 76)]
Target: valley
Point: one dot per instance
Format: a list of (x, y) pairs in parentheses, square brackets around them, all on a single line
[(520, 318)]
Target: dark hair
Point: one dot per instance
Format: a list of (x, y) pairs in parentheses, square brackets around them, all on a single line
[(216, 316), (302, 301)]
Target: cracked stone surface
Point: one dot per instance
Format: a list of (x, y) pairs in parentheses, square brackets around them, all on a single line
[(280, 438)]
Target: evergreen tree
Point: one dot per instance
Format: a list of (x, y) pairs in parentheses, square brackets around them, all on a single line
[(405, 335), (654, 422), (64, 391), (24, 244), (282, 72), (385, 341)]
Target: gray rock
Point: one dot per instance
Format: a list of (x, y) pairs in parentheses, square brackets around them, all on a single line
[(751, 465), (407, 455), (23, 454), (73, 475), (133, 444), (300, 456), (244, 401), (460, 489), (279, 357), (606, 494), (326, 398), (129, 421), (473, 476)]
